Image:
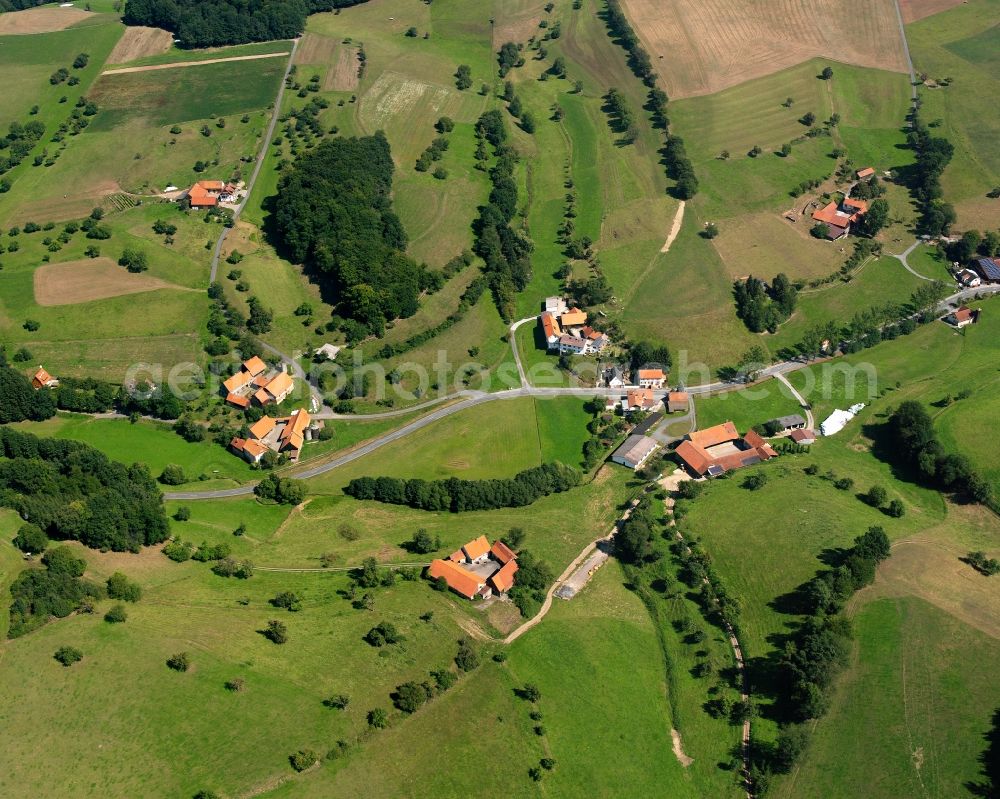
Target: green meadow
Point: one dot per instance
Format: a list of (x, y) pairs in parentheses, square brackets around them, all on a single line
[(961, 45), (911, 713)]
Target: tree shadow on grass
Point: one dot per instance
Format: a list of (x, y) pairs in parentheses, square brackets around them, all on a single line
[(989, 786)]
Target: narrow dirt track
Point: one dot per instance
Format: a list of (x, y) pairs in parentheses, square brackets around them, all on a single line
[(180, 64), (675, 228)]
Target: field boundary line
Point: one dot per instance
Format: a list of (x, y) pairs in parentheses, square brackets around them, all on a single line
[(183, 64)]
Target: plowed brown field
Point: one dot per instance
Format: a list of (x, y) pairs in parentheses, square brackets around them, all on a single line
[(704, 46)]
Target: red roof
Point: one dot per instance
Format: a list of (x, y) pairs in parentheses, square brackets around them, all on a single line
[(502, 552), (238, 400), (651, 374), (550, 327), (799, 436), (754, 439), (459, 580), (694, 456), (477, 547), (712, 436), (867, 172), (201, 198), (503, 580), (964, 315)]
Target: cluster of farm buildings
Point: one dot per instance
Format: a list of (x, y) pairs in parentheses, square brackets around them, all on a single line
[(566, 331), (255, 384), (477, 570), (839, 216), (211, 193)]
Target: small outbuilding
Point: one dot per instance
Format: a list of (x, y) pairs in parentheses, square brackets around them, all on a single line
[(635, 451)]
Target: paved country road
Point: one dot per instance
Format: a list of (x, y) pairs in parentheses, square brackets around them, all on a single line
[(261, 155)]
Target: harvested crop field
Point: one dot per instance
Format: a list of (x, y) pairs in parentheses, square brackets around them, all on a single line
[(918, 9), (337, 62), (139, 42), (342, 76), (75, 282), (703, 46), (40, 20), (316, 49)]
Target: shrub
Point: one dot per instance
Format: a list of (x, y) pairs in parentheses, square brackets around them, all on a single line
[(68, 655), (120, 587), (276, 632), (179, 662), (466, 658), (235, 685), (31, 538), (378, 718), (182, 514), (178, 551), (338, 701), (116, 614), (303, 759), (288, 600), (383, 633)]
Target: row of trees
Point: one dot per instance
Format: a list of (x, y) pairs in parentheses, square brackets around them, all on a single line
[(506, 252), (763, 307), (72, 491), (916, 445), (457, 495), (933, 154), (333, 212), (679, 167), (817, 651)]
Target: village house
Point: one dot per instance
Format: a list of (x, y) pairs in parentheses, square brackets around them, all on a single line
[(961, 317), (551, 331), (968, 278), (721, 449), (639, 399), (206, 193), (567, 332), (804, 437), (238, 387), (42, 379), (838, 217), (252, 381), (865, 173), (477, 570), (651, 378), (275, 390), (596, 340), (573, 345), (677, 401), (635, 451), (285, 435), (614, 377)]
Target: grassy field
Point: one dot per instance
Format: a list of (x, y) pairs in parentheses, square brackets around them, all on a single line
[(102, 338), (910, 714), (746, 407), (27, 62), (961, 44), (606, 736), (932, 365)]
